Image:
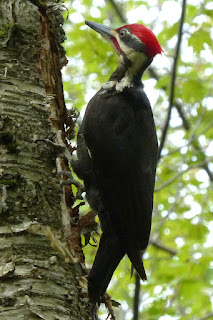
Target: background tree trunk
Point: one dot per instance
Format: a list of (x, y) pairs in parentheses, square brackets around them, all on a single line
[(41, 262)]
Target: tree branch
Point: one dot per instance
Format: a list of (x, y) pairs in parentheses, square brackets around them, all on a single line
[(208, 316), (185, 122), (172, 85), (162, 247), (208, 171), (177, 104), (190, 141), (182, 115), (179, 174), (136, 297), (136, 300), (118, 11)]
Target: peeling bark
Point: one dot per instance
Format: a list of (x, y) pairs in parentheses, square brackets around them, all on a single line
[(42, 275)]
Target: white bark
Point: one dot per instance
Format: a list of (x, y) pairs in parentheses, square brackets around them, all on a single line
[(41, 276)]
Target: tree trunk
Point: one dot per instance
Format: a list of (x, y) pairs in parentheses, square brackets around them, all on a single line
[(41, 261)]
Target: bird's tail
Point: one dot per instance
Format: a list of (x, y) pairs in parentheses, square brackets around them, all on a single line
[(137, 263), (108, 256)]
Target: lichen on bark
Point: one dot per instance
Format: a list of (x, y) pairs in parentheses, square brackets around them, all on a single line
[(40, 276)]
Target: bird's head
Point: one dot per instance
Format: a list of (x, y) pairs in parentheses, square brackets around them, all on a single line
[(134, 43)]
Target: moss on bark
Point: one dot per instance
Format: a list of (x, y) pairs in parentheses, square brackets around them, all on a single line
[(35, 213)]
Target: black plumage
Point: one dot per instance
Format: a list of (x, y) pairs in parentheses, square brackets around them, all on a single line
[(117, 157)]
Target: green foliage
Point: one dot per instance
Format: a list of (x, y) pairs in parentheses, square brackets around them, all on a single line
[(179, 286)]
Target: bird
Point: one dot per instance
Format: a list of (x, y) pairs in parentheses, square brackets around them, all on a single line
[(117, 154)]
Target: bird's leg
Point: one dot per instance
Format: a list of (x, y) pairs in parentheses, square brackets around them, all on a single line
[(71, 180)]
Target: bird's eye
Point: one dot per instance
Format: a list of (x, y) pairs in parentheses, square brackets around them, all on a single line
[(123, 32)]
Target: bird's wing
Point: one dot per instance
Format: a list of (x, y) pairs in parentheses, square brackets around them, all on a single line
[(120, 134)]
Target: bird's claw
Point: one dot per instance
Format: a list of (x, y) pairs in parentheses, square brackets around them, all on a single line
[(71, 180)]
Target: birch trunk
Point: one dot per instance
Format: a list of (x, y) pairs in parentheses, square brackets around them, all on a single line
[(41, 262)]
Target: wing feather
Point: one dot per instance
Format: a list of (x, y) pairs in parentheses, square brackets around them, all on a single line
[(120, 134)]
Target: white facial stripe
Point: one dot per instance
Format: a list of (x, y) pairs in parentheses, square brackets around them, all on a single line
[(138, 59)]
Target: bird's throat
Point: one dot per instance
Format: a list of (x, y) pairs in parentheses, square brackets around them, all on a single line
[(128, 73)]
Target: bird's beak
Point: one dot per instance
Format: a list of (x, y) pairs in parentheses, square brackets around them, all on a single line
[(106, 32)]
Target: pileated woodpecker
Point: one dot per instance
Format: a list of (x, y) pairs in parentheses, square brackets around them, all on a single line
[(117, 155)]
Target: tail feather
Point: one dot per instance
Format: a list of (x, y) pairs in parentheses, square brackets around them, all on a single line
[(108, 256), (137, 263)]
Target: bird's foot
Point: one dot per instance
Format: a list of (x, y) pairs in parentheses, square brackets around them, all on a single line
[(109, 303), (59, 148), (88, 225), (71, 180)]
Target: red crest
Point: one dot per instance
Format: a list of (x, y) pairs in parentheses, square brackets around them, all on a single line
[(146, 36)]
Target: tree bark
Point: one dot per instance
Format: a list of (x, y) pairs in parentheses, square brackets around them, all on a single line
[(42, 273)]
